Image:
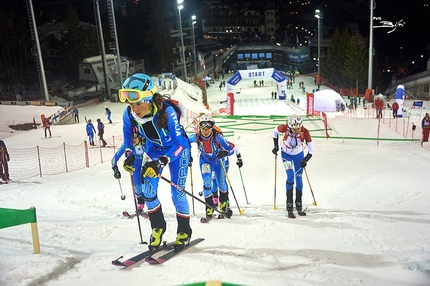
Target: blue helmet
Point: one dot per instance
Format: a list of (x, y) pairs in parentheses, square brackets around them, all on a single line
[(140, 82)]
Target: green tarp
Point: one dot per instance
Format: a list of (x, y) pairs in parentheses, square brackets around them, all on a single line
[(12, 217)]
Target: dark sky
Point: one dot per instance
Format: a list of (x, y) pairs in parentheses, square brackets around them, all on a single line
[(410, 40)]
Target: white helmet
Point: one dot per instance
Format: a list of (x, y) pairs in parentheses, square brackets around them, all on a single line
[(207, 121), (295, 122)]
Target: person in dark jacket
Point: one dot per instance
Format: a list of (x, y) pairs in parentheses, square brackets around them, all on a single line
[(425, 125), (4, 159), (101, 131)]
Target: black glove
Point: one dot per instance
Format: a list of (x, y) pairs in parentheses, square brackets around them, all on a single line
[(239, 162), (116, 172), (152, 169), (221, 153), (276, 144), (304, 161), (190, 164), (129, 162)]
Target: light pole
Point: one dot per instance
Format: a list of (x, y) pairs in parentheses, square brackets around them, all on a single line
[(193, 21), (319, 15), (180, 6), (369, 90)]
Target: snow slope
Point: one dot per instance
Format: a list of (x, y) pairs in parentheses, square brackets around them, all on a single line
[(370, 227)]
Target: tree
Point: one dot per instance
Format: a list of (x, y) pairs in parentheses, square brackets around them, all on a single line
[(145, 33), (15, 50), (79, 42), (356, 61), (332, 64)]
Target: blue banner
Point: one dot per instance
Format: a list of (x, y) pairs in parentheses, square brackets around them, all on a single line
[(418, 103), (278, 76), (235, 79)]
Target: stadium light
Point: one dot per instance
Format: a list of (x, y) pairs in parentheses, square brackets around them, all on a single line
[(180, 7)]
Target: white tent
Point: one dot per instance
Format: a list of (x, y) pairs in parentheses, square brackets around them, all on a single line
[(326, 100)]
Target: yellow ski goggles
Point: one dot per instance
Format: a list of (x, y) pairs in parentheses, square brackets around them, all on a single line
[(134, 95)]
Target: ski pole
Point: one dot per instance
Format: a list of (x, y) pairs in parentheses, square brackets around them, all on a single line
[(226, 214), (315, 202), (231, 188), (192, 189), (240, 172), (120, 187), (137, 213), (274, 196)]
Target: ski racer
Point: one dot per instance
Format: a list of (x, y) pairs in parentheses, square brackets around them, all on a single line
[(214, 149), (296, 138), (166, 144), (138, 149)]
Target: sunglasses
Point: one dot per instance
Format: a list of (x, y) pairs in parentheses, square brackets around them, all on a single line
[(134, 95), (206, 124)]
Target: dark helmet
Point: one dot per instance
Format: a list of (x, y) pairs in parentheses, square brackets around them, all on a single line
[(98, 120)]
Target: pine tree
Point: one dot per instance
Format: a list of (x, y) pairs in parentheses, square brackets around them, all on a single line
[(333, 63), (79, 42), (356, 60)]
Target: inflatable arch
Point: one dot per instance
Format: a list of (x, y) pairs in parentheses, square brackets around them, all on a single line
[(255, 74)]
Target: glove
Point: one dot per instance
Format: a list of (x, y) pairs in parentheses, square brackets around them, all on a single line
[(190, 164), (129, 161), (239, 162), (276, 148), (116, 172), (152, 169), (221, 153), (304, 161)]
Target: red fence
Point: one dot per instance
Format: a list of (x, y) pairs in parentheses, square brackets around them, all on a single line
[(40, 161)]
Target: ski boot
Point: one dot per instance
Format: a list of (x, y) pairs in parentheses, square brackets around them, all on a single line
[(225, 209), (290, 210), (209, 213), (299, 209), (182, 240), (156, 238)]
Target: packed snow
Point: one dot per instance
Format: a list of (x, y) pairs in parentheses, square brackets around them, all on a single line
[(370, 225)]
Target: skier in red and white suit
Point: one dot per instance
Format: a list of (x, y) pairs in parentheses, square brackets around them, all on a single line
[(296, 138)]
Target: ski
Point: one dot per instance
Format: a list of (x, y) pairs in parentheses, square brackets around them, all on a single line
[(128, 215), (205, 219), (141, 256), (227, 214), (172, 253)]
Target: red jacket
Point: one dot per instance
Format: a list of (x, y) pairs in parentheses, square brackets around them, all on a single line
[(379, 104), (395, 106)]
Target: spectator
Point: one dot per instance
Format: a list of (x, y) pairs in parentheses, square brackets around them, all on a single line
[(101, 131), (91, 130), (379, 105), (75, 113), (47, 126), (395, 107), (108, 114), (425, 125), (4, 159)]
